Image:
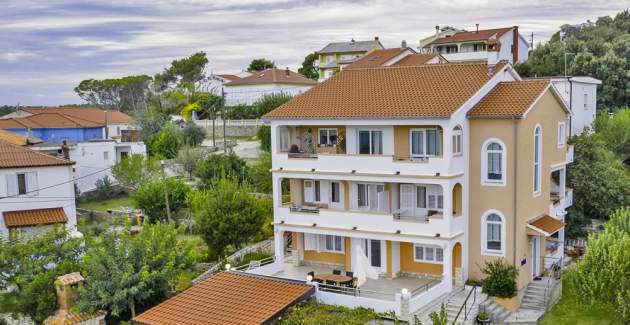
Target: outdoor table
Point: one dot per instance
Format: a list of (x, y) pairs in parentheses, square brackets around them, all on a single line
[(337, 278)]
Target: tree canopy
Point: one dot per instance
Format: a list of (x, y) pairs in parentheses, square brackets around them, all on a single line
[(186, 70), (126, 94), (260, 65), (136, 169), (150, 198), (219, 165), (308, 68)]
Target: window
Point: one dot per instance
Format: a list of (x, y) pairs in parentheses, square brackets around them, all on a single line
[(493, 163), (451, 49), (457, 140), (327, 137), (493, 234), (334, 190), (561, 134), (328, 243), (362, 191), (333, 243), (478, 47), (318, 194), (433, 254), (585, 101), (537, 159), (21, 184), (371, 142), (105, 155), (425, 143), (284, 139), (421, 197), (436, 201)]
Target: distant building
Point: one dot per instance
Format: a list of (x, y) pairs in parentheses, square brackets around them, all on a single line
[(248, 90), (335, 57), (568, 30), (490, 45), (580, 94), (440, 32), (394, 57)]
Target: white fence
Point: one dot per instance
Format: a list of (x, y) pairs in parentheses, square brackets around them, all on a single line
[(219, 123)]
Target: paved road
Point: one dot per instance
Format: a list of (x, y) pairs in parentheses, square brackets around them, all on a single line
[(247, 149)]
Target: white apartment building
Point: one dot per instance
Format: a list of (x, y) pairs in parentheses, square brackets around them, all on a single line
[(580, 94), (250, 89)]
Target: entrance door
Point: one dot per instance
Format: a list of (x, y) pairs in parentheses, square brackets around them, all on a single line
[(373, 253), (535, 256)]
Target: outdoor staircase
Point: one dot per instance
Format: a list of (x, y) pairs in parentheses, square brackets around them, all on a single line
[(497, 313), (534, 297), (452, 303)]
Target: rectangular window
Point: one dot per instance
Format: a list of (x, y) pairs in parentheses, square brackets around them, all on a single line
[(362, 192), (318, 194), (457, 142), (21, 183), (432, 254), (284, 139), (421, 197), (426, 143), (417, 144), (334, 192), (105, 155), (561, 134), (333, 243), (371, 142), (478, 47), (439, 255), (327, 137), (419, 253), (494, 166)]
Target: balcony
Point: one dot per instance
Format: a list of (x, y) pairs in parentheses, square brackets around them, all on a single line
[(465, 56)]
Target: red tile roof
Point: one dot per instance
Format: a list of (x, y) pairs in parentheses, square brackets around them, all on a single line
[(13, 156), (481, 35), (228, 298), (275, 76), (17, 139), (425, 91), (28, 218), (417, 59), (229, 77), (377, 58), (48, 120), (510, 99), (92, 114)]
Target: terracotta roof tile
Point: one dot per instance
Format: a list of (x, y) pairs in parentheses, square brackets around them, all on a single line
[(275, 75), (70, 278), (376, 58), (47, 120), (416, 59), (229, 77), (509, 99), (466, 36), (17, 139), (91, 114), (228, 298), (13, 156), (426, 91), (27, 218), (548, 224), (63, 317)]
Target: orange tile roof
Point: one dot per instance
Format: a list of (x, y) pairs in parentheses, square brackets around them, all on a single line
[(91, 114), (17, 139), (376, 58), (275, 75), (70, 278), (64, 317), (466, 36), (47, 120), (13, 156), (228, 298), (229, 77), (510, 99), (548, 224), (425, 91), (27, 218), (416, 59)]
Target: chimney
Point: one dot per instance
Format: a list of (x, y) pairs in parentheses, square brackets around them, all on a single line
[(287, 72), (403, 44), (66, 287), (514, 44), (437, 30), (65, 150), (477, 30), (352, 40)]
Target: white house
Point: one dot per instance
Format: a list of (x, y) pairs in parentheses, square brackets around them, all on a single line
[(35, 189), (248, 90), (580, 94)]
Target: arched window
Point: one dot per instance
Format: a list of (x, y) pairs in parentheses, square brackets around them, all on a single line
[(493, 162), (457, 140), (537, 159), (493, 233)]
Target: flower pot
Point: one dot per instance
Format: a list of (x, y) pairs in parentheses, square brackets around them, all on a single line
[(483, 321)]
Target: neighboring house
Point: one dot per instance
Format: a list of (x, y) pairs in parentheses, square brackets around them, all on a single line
[(486, 44), (408, 178), (35, 190), (248, 90), (580, 94), (215, 82), (20, 140), (335, 56), (440, 32), (395, 57), (115, 120), (52, 127)]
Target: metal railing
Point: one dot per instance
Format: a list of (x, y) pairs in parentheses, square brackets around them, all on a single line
[(554, 275), (465, 307), (252, 265), (354, 291), (424, 288)]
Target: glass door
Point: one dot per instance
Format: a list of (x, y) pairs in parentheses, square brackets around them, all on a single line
[(373, 253)]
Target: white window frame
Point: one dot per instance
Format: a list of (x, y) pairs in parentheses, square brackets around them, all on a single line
[(332, 192), (562, 134), (484, 164), (328, 144), (424, 258), (457, 141), (537, 164), (425, 142), (284, 135), (317, 191), (484, 235), (334, 239), (435, 202), (371, 132)]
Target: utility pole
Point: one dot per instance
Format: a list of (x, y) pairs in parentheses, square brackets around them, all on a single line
[(223, 115), (214, 118), (168, 205)]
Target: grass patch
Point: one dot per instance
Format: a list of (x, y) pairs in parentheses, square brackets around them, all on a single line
[(104, 205), (569, 310), (312, 312)]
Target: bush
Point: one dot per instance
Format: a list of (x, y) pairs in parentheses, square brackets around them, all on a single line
[(216, 165), (150, 198), (241, 112), (500, 279), (312, 312), (260, 174), (264, 135), (166, 143), (104, 188), (270, 102), (192, 135)]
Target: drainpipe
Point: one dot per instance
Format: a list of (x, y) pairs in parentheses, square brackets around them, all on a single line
[(515, 196), (570, 107)]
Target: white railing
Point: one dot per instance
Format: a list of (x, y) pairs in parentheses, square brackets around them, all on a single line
[(463, 56), (219, 123)]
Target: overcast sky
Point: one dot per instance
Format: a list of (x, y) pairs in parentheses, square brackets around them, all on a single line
[(48, 47)]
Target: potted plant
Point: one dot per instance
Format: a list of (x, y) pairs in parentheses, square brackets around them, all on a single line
[(483, 318)]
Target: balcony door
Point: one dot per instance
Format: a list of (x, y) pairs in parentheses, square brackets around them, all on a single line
[(373, 251)]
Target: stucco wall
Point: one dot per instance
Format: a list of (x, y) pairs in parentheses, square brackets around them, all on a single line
[(407, 263)]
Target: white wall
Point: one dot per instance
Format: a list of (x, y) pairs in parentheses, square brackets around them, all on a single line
[(115, 130), (582, 116), (53, 197), (249, 94)]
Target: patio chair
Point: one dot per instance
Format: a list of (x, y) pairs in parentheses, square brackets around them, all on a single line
[(337, 272), (350, 274)]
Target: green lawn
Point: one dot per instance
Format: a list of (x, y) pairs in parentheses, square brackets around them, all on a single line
[(569, 311), (104, 205)]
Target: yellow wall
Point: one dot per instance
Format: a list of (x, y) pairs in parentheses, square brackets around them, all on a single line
[(333, 258), (407, 263), (457, 257), (457, 200), (388, 249)]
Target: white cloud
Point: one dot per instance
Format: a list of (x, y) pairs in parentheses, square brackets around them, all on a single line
[(16, 56)]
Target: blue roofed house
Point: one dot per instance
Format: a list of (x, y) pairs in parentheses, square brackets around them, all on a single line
[(54, 127)]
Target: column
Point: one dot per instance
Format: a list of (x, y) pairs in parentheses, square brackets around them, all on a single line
[(447, 266), (298, 249), (278, 240)]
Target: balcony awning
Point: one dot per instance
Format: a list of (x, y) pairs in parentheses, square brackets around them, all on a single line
[(29, 218), (545, 225)]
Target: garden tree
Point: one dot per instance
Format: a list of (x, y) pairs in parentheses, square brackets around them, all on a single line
[(615, 132), (191, 134), (188, 158), (104, 188), (149, 197), (127, 93), (600, 182), (260, 174), (31, 265), (602, 276), (601, 50), (500, 280), (218, 165), (260, 65), (264, 135), (125, 273), (207, 106), (186, 70), (227, 215), (166, 143), (308, 68), (270, 102), (172, 101), (241, 112), (136, 169)]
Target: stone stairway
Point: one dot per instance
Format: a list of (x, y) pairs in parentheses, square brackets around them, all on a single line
[(497, 313), (534, 297), (452, 303)]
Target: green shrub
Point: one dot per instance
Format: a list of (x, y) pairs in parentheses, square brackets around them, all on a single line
[(312, 312), (166, 143), (192, 135), (264, 134), (217, 165), (500, 279), (150, 198)]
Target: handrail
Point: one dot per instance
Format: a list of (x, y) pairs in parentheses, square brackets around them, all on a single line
[(424, 288), (256, 264), (551, 278), (354, 291), (464, 306)]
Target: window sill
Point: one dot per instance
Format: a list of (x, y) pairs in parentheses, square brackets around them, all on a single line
[(493, 253), (428, 262), (492, 183)]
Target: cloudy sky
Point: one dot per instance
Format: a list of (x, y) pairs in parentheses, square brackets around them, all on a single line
[(48, 47)]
